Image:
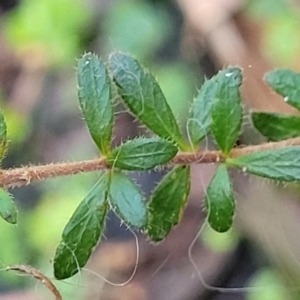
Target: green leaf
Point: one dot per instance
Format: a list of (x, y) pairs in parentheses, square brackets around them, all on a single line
[(220, 201), (8, 209), (167, 203), (144, 97), (281, 164), (95, 100), (3, 138), (227, 112), (200, 119), (142, 154), (82, 232), (276, 127), (287, 84), (127, 199)]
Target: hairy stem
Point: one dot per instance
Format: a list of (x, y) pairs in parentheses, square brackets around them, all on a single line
[(17, 177)]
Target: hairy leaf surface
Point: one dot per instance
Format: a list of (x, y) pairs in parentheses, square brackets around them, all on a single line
[(8, 209), (200, 119), (82, 232), (142, 154), (167, 203), (276, 127), (127, 199), (287, 84), (281, 164), (95, 100), (227, 112), (220, 201), (144, 97)]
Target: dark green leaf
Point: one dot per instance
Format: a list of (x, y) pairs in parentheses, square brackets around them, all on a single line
[(144, 97), (8, 209), (128, 200), (3, 141), (280, 164), (227, 112), (95, 100), (276, 126), (200, 120), (168, 202), (287, 84), (220, 201), (142, 154), (82, 232)]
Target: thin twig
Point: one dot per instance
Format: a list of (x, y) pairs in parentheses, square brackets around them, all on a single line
[(17, 177), (28, 270)]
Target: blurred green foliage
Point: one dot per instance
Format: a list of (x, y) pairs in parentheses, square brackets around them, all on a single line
[(11, 254), (136, 27), (281, 38), (267, 8), (49, 27), (179, 86), (219, 242), (15, 120), (267, 285), (280, 23)]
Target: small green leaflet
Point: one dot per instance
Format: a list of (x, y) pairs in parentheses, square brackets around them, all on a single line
[(144, 97), (200, 119), (167, 203), (8, 209), (82, 232), (276, 127), (220, 201), (142, 154), (287, 84), (281, 164), (95, 100), (3, 141), (227, 112), (128, 201)]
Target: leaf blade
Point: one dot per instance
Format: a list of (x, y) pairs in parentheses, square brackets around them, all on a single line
[(82, 232), (200, 118), (220, 201), (128, 200), (8, 209), (287, 84), (142, 154), (144, 97), (94, 95), (166, 205), (227, 112), (280, 164), (276, 127), (3, 136)]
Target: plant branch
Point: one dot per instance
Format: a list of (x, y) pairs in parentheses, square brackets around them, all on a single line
[(17, 177)]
